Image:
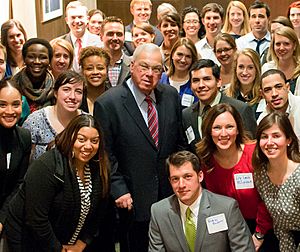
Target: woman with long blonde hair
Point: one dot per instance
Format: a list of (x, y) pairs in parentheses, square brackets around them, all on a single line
[(236, 19)]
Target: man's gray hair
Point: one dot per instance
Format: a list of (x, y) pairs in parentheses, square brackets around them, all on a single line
[(148, 47)]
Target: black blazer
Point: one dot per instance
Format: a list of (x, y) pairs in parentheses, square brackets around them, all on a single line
[(138, 166), (190, 118), (19, 142)]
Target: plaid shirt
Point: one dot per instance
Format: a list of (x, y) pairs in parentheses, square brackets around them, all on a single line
[(114, 72)]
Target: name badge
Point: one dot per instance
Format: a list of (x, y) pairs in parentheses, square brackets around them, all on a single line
[(187, 100), (243, 181), (216, 223), (190, 134), (128, 36)]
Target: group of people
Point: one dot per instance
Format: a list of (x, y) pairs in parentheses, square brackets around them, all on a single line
[(182, 136)]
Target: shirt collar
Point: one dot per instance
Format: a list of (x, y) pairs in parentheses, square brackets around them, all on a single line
[(213, 103), (194, 207), (139, 96)]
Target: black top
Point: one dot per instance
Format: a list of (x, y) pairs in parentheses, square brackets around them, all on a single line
[(46, 210), (15, 147)]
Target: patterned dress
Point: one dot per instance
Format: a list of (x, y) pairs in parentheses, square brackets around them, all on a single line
[(283, 203)]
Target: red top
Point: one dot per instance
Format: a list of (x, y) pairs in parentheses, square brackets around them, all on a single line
[(222, 181)]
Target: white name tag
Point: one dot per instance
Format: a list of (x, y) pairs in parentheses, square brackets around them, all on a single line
[(187, 100), (243, 181), (190, 134), (128, 36), (216, 223)]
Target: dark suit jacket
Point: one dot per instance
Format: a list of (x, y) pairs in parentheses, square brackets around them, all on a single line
[(129, 45), (190, 117), (138, 166), (19, 141), (166, 230)]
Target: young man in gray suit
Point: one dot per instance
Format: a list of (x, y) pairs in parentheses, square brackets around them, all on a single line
[(205, 84), (194, 219)]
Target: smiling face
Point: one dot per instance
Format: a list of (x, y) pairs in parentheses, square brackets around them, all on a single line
[(113, 36), (61, 60), (69, 96), (77, 20), (213, 23), (94, 24), (146, 71), (10, 106), (224, 131), (295, 17), (191, 24), (139, 36), (275, 92), (182, 58), (245, 70), (224, 52), (259, 22), (37, 60), (273, 142), (283, 47), (204, 85), (169, 30), (15, 39), (236, 17), (141, 12), (86, 145), (94, 70), (185, 182)]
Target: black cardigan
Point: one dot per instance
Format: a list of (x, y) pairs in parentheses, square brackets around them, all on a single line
[(48, 205), (16, 141)]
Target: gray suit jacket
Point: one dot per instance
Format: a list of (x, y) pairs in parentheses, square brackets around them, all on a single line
[(93, 40), (166, 230), (190, 117)]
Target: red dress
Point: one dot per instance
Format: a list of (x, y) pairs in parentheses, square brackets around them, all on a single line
[(222, 181)]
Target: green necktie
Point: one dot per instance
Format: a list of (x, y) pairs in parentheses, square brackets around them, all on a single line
[(190, 229)]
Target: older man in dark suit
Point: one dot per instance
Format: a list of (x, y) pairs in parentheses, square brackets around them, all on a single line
[(194, 219), (142, 126), (205, 84)]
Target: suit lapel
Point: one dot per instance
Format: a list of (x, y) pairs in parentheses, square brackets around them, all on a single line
[(175, 219), (161, 111), (204, 212), (133, 110)]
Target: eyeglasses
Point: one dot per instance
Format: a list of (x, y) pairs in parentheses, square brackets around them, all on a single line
[(191, 21), (144, 68), (225, 50)]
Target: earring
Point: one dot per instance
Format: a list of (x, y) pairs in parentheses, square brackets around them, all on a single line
[(73, 154), (288, 145)]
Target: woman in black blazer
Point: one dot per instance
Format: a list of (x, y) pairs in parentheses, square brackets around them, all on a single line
[(15, 145), (61, 202)]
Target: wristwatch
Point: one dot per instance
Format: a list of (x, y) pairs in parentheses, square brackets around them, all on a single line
[(259, 236)]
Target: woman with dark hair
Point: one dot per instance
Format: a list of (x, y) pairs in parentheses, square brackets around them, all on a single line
[(192, 26), (35, 80), (183, 56), (13, 37), (60, 204), (169, 25), (142, 33), (45, 123), (94, 62), (15, 145), (223, 137), (276, 162)]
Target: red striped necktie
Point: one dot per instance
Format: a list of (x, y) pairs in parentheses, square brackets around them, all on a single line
[(152, 120)]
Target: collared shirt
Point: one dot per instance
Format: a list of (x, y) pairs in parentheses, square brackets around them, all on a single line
[(140, 99), (114, 72), (249, 41), (213, 103), (206, 51), (194, 209)]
